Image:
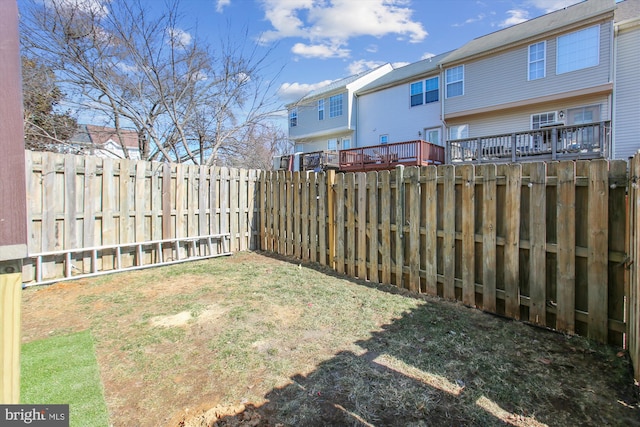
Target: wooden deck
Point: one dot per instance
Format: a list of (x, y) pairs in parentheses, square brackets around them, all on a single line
[(388, 156), (577, 142)]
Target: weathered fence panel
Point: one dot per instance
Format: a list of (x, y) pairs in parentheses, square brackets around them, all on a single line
[(539, 242), (633, 261), (81, 201)]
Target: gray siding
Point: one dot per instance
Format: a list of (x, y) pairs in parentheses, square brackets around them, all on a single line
[(308, 122), (503, 78), (520, 120), (627, 94)]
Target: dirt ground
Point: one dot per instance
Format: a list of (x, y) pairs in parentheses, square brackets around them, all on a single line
[(167, 379)]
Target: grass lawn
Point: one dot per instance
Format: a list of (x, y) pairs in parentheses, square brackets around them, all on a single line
[(262, 341), (63, 369)]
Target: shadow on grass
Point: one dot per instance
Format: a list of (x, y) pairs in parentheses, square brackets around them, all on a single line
[(444, 364)]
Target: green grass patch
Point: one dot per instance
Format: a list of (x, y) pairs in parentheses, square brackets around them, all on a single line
[(64, 370)]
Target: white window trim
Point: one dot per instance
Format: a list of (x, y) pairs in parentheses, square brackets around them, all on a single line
[(544, 61), (421, 93), (321, 102), (555, 113), (293, 114), (447, 83)]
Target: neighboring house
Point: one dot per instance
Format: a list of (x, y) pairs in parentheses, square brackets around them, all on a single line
[(626, 100), (325, 119), (413, 94), (561, 86), (104, 141), (504, 93)]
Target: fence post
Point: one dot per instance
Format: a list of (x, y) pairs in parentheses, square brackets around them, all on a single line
[(13, 208), (331, 196), (513, 147)]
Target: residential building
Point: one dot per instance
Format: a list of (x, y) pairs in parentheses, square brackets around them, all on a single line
[(325, 119), (561, 86), (626, 100), (538, 90), (104, 141)]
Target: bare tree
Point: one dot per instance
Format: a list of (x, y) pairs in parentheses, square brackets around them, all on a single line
[(185, 100), (257, 148)]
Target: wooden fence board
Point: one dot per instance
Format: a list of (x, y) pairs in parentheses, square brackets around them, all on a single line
[(350, 207), (537, 243), (304, 230), (633, 321), (448, 223), (325, 202), (224, 204), (399, 223), (314, 217), (467, 173), (489, 226), (513, 173), (566, 270), (413, 176), (385, 220), (89, 226), (372, 184), (297, 217), (362, 225), (429, 178), (340, 223), (598, 249)]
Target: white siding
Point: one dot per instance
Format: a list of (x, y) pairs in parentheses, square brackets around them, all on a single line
[(389, 112), (503, 78), (308, 123), (627, 94)]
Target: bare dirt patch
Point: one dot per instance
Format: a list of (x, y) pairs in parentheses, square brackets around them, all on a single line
[(251, 340)]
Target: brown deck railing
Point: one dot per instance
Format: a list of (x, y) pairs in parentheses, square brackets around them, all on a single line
[(585, 141), (388, 156)]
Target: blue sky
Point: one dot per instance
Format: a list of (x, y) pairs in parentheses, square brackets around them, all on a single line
[(317, 41)]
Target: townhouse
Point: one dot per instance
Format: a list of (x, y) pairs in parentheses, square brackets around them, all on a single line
[(560, 86)]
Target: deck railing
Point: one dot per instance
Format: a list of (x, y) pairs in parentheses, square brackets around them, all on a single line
[(585, 141), (319, 160), (387, 156)]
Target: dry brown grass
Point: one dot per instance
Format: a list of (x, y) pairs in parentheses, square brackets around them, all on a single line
[(255, 340)]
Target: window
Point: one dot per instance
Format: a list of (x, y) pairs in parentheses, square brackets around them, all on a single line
[(332, 144), (455, 81), (432, 90), (321, 109), (577, 50), (335, 106), (578, 116), (539, 120), (416, 94), (293, 118), (458, 132), (537, 58), (433, 136), (346, 143), (384, 139)]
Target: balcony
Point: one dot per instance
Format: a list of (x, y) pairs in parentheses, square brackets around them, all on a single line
[(388, 156), (584, 141)]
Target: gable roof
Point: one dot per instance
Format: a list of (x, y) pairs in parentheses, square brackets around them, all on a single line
[(100, 135), (337, 84), (554, 21), (404, 74)]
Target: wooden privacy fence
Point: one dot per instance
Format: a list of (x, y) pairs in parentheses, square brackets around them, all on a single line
[(634, 262), (84, 202), (542, 242)]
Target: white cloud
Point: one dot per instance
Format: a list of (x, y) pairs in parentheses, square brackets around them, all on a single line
[(427, 55), (179, 36), (372, 48), (516, 16), (551, 5), (478, 18), (319, 51), (221, 4), (333, 23), (361, 65), (290, 92)]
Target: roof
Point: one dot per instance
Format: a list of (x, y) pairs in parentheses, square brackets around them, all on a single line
[(626, 10), (405, 73), (337, 84), (524, 31), (100, 135)]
